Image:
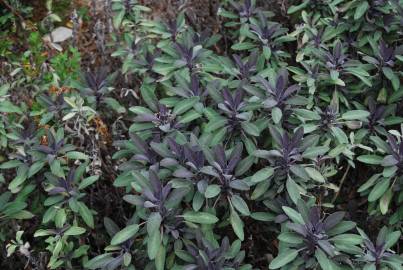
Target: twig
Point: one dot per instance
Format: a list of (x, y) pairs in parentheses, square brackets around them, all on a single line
[(341, 183)]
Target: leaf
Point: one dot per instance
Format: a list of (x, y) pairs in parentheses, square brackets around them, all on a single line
[(99, 261), (237, 224), (379, 189), (125, 234), (315, 174), (340, 135), (347, 239), (294, 9), (262, 175), (115, 105), (242, 46), (200, 217), (60, 218), (8, 107), (160, 258), (276, 115), (360, 10), (60, 34), (10, 164), (392, 238), (56, 169), (250, 128), (117, 20), (324, 262), (76, 155), (185, 105), (313, 152), (36, 167), (74, 230), (154, 222), (370, 159), (240, 205), (283, 258), (370, 182), (212, 191), (293, 215), (153, 244), (88, 181), (385, 201), (189, 117), (86, 214), (293, 190), (290, 237), (392, 77), (355, 115)]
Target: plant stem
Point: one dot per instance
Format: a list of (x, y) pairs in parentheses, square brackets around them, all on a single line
[(341, 183)]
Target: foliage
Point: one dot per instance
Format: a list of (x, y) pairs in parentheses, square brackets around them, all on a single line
[(274, 142)]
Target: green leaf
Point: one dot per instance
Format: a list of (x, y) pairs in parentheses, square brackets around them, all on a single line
[(237, 224), (10, 164), (86, 214), (74, 230), (392, 77), (324, 262), (290, 237), (99, 261), (56, 168), (60, 218), (379, 189), (114, 105), (370, 182), (340, 135), (185, 105), (385, 201), (392, 238), (276, 115), (200, 217), (293, 215), (283, 258), (147, 92), (189, 117), (293, 190), (243, 46), (20, 178), (212, 191), (263, 216), (160, 258), (125, 234), (117, 19), (355, 115), (240, 205), (360, 10), (315, 174), (35, 167), (215, 124), (8, 107), (294, 9), (262, 175), (347, 239), (153, 244), (76, 155), (154, 222), (370, 159), (250, 128), (88, 181), (313, 152)]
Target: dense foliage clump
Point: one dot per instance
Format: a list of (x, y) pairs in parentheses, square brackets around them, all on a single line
[(270, 140)]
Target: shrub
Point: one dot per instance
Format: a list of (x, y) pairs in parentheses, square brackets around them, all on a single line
[(270, 142)]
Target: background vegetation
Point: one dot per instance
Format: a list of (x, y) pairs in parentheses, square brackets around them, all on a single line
[(201, 134)]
